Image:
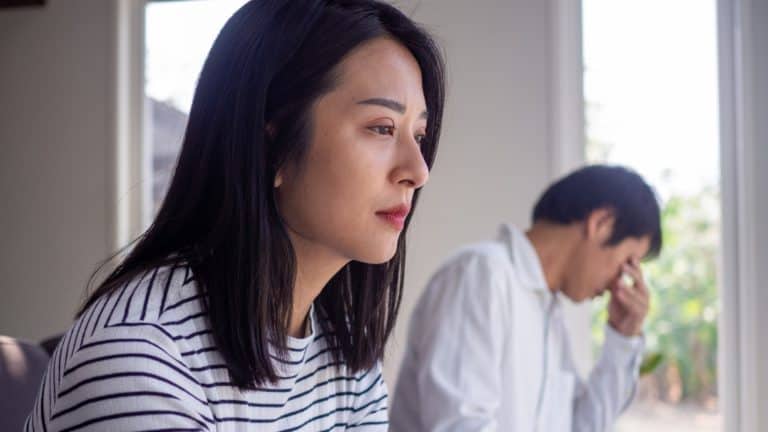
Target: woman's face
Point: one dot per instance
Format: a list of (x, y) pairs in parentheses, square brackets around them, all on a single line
[(349, 195)]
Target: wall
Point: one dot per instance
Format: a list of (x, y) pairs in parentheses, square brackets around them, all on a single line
[(55, 133)]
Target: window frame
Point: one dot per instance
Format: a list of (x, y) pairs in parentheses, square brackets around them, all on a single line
[(131, 206)]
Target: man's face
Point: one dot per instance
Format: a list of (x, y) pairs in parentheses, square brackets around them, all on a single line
[(595, 266)]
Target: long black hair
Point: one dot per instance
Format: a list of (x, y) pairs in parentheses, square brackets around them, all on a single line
[(270, 62)]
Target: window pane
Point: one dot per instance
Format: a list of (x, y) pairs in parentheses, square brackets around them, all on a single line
[(651, 104), (179, 35)]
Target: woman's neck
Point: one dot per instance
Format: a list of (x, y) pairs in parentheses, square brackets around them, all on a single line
[(315, 266)]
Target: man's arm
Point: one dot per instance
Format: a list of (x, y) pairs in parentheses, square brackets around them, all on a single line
[(611, 385)]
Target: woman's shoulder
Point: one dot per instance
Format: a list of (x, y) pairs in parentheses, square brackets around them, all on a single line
[(157, 306), (126, 348), (152, 296)]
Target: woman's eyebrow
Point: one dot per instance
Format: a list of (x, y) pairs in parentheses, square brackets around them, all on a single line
[(389, 103)]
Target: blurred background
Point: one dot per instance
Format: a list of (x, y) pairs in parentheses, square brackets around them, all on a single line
[(94, 97)]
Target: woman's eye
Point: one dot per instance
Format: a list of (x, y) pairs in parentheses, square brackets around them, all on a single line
[(383, 130), (420, 138)]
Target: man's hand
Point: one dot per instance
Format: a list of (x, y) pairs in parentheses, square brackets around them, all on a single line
[(629, 303)]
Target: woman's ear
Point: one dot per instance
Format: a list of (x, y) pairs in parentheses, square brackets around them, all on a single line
[(278, 178), (599, 224)]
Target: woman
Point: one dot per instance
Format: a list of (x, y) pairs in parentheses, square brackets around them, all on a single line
[(263, 294)]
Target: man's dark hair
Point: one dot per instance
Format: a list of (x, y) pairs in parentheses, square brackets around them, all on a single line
[(633, 201)]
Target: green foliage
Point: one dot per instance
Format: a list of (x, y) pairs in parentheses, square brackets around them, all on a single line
[(651, 362)]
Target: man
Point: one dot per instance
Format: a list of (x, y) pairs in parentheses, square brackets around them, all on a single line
[(488, 348)]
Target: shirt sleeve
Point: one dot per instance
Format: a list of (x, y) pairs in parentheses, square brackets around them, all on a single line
[(460, 343), (611, 385), (119, 380), (370, 411)]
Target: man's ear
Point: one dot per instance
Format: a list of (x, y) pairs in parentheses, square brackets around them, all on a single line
[(599, 224)]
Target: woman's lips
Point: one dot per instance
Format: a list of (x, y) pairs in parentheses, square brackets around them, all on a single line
[(395, 216)]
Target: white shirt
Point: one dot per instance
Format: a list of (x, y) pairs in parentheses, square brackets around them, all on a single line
[(144, 358), (488, 351)]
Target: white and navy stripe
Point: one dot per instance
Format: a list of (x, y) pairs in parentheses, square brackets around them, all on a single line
[(143, 358)]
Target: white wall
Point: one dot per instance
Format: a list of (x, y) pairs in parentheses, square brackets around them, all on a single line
[(55, 141)]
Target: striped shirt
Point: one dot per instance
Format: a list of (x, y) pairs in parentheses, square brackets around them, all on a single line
[(144, 358)]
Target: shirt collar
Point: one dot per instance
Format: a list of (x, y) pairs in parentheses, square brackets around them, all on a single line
[(524, 258)]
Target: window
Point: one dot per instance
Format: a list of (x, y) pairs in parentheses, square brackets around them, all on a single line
[(179, 35), (651, 103)]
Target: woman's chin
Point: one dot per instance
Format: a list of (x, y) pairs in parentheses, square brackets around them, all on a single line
[(381, 256)]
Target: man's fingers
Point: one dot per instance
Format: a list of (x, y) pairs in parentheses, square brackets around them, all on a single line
[(637, 274), (637, 296), (636, 303)]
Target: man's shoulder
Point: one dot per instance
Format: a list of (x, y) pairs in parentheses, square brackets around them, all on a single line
[(488, 256), (480, 268)]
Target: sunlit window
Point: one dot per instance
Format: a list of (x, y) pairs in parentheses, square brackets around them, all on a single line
[(179, 35), (651, 104)]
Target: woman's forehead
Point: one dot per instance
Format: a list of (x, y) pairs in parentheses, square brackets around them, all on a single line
[(381, 68)]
